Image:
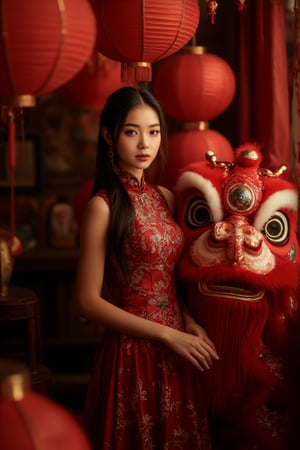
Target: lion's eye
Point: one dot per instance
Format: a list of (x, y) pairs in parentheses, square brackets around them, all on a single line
[(276, 229), (197, 214)]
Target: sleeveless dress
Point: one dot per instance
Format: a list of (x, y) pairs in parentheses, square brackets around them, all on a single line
[(141, 394)]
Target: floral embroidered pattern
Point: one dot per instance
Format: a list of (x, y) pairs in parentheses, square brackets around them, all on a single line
[(142, 396)]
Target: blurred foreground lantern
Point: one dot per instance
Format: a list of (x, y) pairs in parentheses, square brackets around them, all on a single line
[(93, 83), (29, 420), (194, 85), (189, 146), (145, 32)]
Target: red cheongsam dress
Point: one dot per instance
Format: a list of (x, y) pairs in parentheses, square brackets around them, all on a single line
[(141, 394)]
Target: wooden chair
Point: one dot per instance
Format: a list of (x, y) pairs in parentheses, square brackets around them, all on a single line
[(22, 304)]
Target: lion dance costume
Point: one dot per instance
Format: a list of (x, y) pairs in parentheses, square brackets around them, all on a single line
[(239, 269)]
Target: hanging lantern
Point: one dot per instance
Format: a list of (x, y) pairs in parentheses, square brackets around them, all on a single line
[(193, 85), (93, 83), (29, 420), (147, 31), (43, 44), (189, 146)]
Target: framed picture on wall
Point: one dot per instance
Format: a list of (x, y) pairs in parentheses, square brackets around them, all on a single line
[(27, 172)]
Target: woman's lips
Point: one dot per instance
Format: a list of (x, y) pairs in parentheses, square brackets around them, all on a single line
[(143, 157)]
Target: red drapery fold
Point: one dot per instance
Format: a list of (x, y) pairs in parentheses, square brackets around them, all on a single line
[(295, 109), (263, 91)]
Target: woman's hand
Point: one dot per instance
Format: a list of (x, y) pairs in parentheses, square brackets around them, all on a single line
[(194, 345)]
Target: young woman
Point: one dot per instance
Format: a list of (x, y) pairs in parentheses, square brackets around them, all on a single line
[(141, 393)]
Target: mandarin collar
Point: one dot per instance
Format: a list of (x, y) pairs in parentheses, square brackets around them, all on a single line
[(130, 180)]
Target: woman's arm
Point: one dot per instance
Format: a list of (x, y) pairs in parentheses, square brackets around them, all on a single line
[(91, 305)]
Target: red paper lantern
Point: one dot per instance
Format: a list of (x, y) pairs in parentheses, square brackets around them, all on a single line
[(30, 420), (190, 146), (143, 32), (93, 83), (42, 45), (193, 85)]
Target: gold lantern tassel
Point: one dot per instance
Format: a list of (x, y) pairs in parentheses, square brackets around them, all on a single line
[(241, 4), (212, 9), (10, 245)]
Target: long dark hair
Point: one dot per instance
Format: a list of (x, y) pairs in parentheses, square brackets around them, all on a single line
[(113, 117)]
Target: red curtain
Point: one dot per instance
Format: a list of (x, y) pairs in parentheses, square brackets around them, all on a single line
[(263, 91), (295, 110)]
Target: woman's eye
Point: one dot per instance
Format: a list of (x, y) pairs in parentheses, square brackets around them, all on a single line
[(198, 213), (155, 132), (276, 229), (130, 132)]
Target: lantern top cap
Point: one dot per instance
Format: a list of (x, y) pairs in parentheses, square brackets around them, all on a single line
[(26, 101), (194, 49)]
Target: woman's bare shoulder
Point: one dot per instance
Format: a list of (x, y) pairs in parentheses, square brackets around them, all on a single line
[(96, 211), (169, 197)]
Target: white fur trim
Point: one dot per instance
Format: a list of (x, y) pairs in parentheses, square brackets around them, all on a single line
[(190, 180), (287, 199)]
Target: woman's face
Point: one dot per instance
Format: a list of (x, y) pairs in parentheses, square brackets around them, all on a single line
[(139, 140)]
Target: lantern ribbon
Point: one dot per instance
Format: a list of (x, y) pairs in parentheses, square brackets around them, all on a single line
[(12, 165)]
